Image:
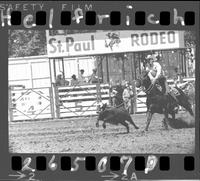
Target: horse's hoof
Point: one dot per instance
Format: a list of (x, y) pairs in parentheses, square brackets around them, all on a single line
[(97, 125), (104, 126)]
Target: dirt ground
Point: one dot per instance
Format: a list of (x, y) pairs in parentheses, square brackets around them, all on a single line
[(82, 136)]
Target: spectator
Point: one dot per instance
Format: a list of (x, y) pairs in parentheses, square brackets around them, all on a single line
[(60, 81), (74, 80), (81, 77), (93, 78), (127, 95), (117, 94), (176, 76)]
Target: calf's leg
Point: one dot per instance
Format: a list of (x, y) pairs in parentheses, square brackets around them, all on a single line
[(104, 125), (126, 125), (129, 119), (97, 123)]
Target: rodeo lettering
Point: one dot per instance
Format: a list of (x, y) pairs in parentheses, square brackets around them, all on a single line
[(153, 38)]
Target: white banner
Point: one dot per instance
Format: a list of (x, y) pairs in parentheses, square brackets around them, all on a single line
[(106, 42)]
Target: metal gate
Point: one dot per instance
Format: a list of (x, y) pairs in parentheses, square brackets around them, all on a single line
[(30, 104)]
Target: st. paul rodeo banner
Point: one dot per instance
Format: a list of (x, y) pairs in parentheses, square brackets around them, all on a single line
[(106, 42)]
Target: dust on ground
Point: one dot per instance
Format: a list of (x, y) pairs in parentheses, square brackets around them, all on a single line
[(81, 136)]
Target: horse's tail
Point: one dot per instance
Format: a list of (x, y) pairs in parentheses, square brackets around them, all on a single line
[(182, 93), (185, 101)]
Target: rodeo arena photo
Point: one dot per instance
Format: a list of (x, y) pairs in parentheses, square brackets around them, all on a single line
[(103, 92)]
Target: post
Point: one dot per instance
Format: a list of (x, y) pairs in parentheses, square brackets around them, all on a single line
[(107, 69), (51, 103), (123, 69), (10, 106), (133, 102), (133, 72), (57, 101), (98, 86)]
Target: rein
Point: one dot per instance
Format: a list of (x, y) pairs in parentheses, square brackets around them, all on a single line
[(147, 91)]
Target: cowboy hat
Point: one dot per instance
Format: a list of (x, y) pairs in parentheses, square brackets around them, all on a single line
[(153, 57)]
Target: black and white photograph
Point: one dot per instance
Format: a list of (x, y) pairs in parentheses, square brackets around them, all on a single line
[(101, 91)]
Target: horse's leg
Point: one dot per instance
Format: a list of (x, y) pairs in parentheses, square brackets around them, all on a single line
[(149, 117), (165, 119), (104, 125)]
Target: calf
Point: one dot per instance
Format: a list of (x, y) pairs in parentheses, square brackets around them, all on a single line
[(115, 116)]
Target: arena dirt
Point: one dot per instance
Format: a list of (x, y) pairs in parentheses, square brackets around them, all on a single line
[(81, 136)]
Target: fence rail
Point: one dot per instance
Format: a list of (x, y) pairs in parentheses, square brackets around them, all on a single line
[(82, 100)]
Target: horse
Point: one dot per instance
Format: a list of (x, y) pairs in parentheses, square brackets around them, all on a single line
[(114, 116), (157, 102)]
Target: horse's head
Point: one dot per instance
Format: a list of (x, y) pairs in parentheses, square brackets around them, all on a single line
[(143, 80)]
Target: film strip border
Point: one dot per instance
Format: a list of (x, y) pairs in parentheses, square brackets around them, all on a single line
[(91, 18), (67, 163)]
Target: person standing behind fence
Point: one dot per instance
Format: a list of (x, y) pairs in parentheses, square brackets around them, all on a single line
[(81, 77), (117, 94), (60, 81), (93, 78), (74, 80), (127, 95)]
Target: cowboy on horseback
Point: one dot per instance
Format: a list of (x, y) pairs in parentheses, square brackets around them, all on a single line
[(156, 75)]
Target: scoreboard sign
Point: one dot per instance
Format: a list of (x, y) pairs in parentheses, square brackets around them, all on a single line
[(31, 104)]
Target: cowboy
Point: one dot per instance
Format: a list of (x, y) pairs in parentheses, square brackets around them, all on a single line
[(127, 95), (156, 75)]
